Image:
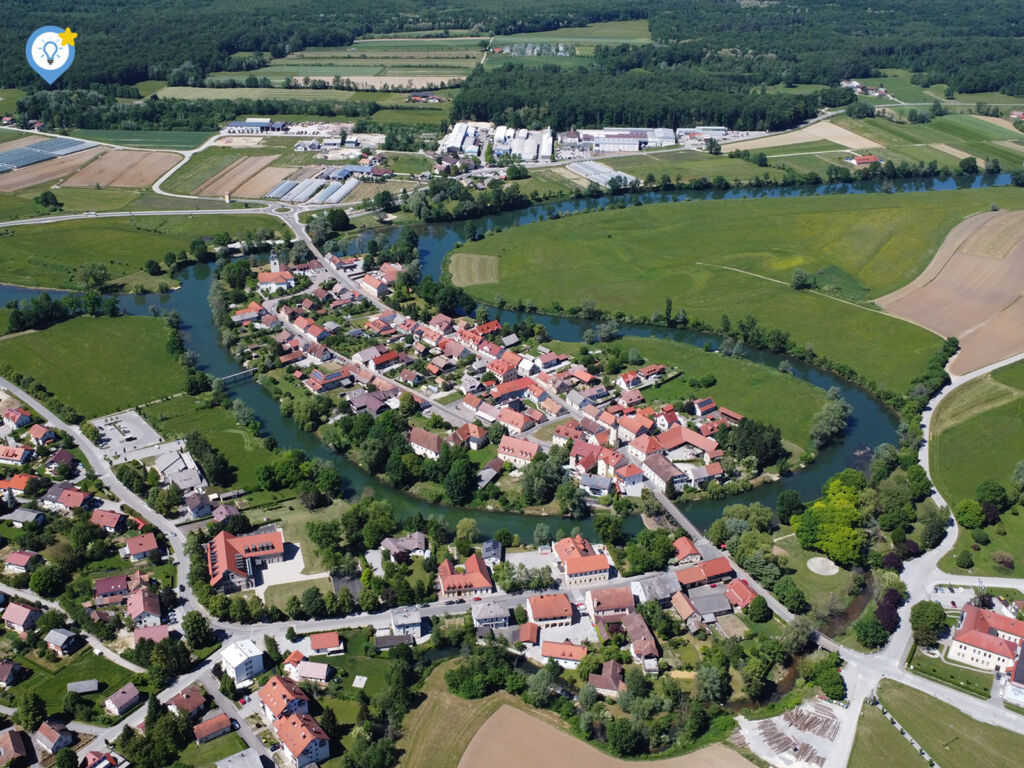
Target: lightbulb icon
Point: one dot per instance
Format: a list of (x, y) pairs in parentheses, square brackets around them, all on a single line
[(50, 51)]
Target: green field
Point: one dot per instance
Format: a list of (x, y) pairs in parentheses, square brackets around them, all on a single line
[(147, 139), (606, 33), (978, 433), (278, 594), (1012, 542), (99, 365), (8, 135), (178, 416), (292, 94), (50, 255), (973, 681), (692, 252), (432, 114), (897, 82), (21, 205), (687, 164), (818, 588), (967, 133), (879, 744), (947, 733), (51, 683), (754, 390), (206, 755), (9, 100)]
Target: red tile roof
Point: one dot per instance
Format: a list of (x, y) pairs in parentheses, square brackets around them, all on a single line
[(589, 564), (978, 629), (570, 547), (619, 599), (324, 641), (685, 548), (297, 732), (106, 518), (706, 571), (566, 651), (141, 545), (227, 551), (214, 725), (529, 633), (475, 575), (550, 607), (739, 594), (278, 692)]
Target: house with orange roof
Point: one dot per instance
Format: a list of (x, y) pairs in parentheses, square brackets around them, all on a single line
[(502, 370), (139, 547), (740, 594), (17, 417), (609, 460), (704, 573), (529, 633), (326, 643), (17, 483), (280, 697), (568, 655), (514, 421), (473, 580), (272, 282), (548, 611), (108, 519), (40, 434), (291, 663), (518, 452), (210, 729), (15, 455), (567, 432), (234, 561), (631, 427), (629, 479), (303, 739), (686, 551), (610, 601), (580, 563), (986, 639), (20, 618)]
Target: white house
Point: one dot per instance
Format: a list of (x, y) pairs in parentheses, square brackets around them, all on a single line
[(986, 639), (242, 660)]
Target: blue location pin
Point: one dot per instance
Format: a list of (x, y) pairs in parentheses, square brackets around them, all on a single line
[(47, 54)]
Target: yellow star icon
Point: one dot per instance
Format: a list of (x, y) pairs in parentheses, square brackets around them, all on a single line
[(67, 37)]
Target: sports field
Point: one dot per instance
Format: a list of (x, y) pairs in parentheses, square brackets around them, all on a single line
[(99, 365), (738, 256), (947, 733), (972, 289), (754, 390), (51, 255), (146, 139), (978, 433)]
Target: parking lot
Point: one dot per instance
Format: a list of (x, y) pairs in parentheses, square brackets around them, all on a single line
[(126, 436)]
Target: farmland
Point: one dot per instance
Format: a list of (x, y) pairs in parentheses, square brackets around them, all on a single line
[(178, 416), (585, 38), (124, 168), (686, 165), (978, 433), (52, 255), (146, 139), (947, 733), (754, 390), (867, 245), (99, 384)]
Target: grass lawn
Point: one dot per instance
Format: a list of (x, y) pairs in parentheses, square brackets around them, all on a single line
[(972, 681), (425, 745), (51, 683), (754, 390), (946, 733), (1012, 542), (294, 94), (21, 205), (51, 255), (292, 517), (278, 594), (773, 628), (817, 588), (437, 113), (606, 33), (177, 417), (147, 139), (978, 433), (873, 243), (205, 755), (106, 348), (879, 744), (688, 164)]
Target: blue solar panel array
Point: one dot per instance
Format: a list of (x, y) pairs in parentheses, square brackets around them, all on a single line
[(48, 149)]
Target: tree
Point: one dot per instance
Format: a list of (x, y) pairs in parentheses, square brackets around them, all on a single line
[(227, 687), (541, 534), (66, 759), (712, 684), (31, 711), (572, 500), (460, 481), (926, 620), (870, 632), (338, 219), (624, 738), (758, 610), (798, 636), (969, 514), (790, 595), (801, 280), (787, 505), (991, 492), (1017, 478), (48, 200), (467, 529), (95, 275), (48, 580), (196, 628), (713, 147), (969, 166)]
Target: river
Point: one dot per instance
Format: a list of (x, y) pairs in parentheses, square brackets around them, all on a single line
[(872, 423)]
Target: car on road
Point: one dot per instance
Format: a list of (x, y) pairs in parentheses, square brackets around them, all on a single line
[(181, 587), (477, 598), (242, 700)]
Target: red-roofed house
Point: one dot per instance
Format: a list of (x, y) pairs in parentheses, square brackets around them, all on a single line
[(107, 519), (40, 434), (208, 730), (156, 634), (326, 643), (473, 580), (739, 594), (188, 701), (610, 601), (15, 454), (17, 483), (17, 417), (19, 561), (281, 696), (686, 552), (518, 452), (580, 563), (549, 610), (861, 160), (139, 547), (21, 618), (275, 281), (567, 655), (303, 739), (703, 573), (144, 608), (233, 560), (425, 444), (986, 639)]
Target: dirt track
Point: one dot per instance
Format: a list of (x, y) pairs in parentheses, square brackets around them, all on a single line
[(973, 289), (124, 168), (48, 170), (511, 739), (816, 132), (235, 175)]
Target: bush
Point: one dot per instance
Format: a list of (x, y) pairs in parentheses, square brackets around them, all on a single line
[(758, 610), (968, 513), (964, 559), (1004, 559), (981, 537)]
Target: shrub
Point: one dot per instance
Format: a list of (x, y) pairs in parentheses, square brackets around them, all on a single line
[(758, 610), (1004, 559), (980, 537), (888, 617), (968, 513), (964, 559)]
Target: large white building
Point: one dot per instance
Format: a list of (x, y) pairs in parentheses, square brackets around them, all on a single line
[(242, 660), (987, 640)]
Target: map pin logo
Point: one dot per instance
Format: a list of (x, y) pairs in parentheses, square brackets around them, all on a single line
[(50, 51)]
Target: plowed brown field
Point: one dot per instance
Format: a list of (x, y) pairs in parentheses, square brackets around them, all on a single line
[(124, 168)]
